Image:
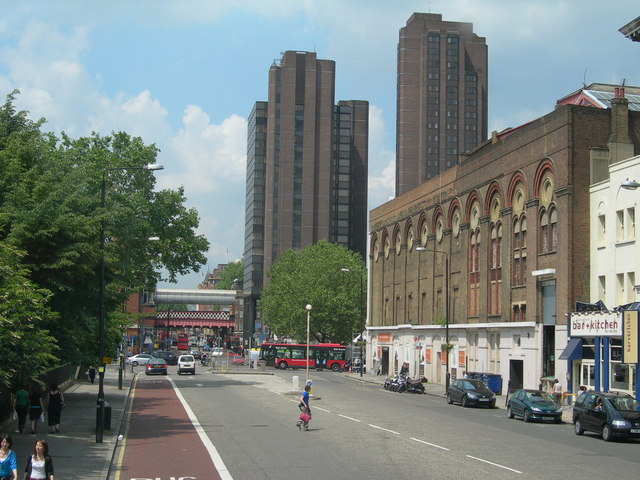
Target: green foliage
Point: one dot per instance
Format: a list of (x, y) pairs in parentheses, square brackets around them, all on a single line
[(315, 276), (232, 273), (26, 346), (50, 209)]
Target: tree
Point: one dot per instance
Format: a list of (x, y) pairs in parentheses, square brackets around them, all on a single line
[(26, 347), (315, 276), (232, 274), (50, 209)]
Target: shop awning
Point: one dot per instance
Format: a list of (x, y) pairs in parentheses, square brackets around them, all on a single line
[(573, 350)]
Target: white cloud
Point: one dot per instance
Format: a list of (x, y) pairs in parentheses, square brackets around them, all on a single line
[(212, 157), (382, 162)]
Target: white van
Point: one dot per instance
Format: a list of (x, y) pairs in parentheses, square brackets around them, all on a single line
[(186, 363)]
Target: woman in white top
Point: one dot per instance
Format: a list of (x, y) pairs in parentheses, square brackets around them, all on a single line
[(39, 464)]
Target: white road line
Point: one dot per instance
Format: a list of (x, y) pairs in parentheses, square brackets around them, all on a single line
[(213, 452), (348, 418), (430, 444), (322, 409), (385, 429), (494, 464)]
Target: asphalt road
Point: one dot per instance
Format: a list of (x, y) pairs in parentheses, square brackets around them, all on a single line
[(361, 431)]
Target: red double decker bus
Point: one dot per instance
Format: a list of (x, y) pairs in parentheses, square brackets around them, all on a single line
[(293, 355), (182, 342)]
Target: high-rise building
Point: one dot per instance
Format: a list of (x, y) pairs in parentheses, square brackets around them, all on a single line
[(307, 164), (442, 97)]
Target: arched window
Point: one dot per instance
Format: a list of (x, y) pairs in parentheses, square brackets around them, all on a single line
[(495, 267), (474, 272), (553, 228), (519, 266), (549, 230)]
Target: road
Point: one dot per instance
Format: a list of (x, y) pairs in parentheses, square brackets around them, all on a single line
[(359, 431)]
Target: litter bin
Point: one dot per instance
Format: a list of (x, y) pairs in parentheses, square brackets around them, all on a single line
[(107, 416), (494, 382)]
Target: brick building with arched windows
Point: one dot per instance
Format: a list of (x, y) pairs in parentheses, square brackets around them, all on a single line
[(493, 253)]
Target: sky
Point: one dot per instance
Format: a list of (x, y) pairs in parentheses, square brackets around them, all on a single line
[(185, 74)]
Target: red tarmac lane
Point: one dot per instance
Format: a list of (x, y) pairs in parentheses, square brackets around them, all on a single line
[(161, 442)]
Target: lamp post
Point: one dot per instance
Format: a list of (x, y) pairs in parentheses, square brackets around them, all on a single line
[(446, 307), (360, 320), (629, 184), (308, 307), (101, 363)]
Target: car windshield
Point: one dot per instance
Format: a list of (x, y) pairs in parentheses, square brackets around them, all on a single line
[(187, 358), (474, 385), (539, 397), (628, 404)]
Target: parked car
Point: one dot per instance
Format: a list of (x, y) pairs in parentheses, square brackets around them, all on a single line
[(186, 363), (467, 392), (139, 359), (168, 357), (613, 415), (156, 365), (533, 405), (217, 352)]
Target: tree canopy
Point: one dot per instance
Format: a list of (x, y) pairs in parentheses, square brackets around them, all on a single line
[(50, 212), (329, 277)]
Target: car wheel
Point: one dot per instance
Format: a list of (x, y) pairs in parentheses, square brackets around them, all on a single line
[(607, 434), (509, 412), (449, 400), (465, 402), (134, 363), (577, 427), (526, 416), (335, 367), (282, 365)]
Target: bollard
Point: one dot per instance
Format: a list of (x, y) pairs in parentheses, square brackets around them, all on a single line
[(296, 382)]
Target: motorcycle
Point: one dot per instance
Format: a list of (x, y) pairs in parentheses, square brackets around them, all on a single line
[(417, 385), (395, 384)]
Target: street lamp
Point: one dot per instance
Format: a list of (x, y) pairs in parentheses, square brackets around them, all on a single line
[(101, 364), (308, 307), (629, 184), (360, 321), (446, 303)]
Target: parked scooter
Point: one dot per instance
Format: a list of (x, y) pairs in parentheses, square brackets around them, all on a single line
[(417, 385)]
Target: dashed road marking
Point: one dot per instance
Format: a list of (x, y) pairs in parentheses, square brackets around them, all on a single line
[(382, 428), (494, 464), (349, 418), (430, 444)]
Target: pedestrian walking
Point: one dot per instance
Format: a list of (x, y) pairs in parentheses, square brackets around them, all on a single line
[(305, 416), (55, 404), (8, 462), (21, 407), (557, 392), (91, 372), (36, 407), (39, 464)]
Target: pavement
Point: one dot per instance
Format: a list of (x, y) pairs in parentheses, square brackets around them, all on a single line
[(74, 450)]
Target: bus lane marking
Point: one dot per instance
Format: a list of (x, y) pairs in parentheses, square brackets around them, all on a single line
[(494, 464), (213, 452)]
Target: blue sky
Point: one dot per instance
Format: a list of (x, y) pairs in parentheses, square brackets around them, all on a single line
[(184, 74)]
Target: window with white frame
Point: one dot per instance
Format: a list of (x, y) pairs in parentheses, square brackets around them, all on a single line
[(494, 352)]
